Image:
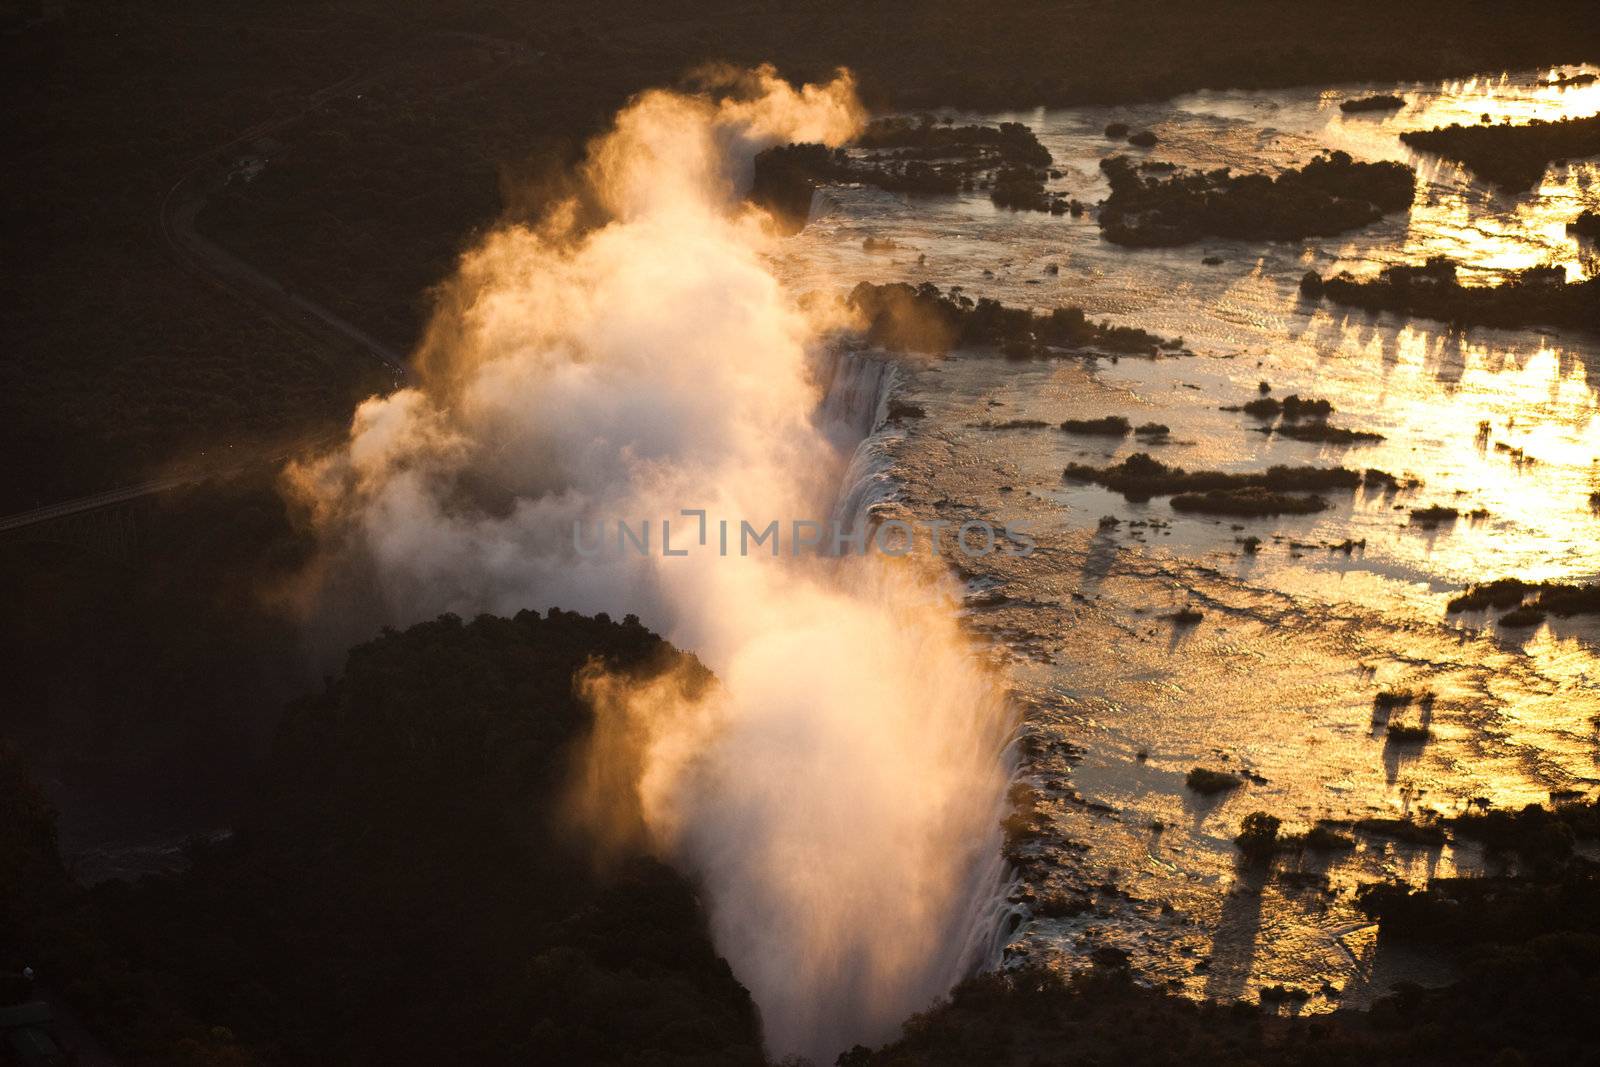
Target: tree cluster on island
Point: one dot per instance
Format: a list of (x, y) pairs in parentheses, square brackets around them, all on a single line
[(1154, 206), (920, 318), (918, 156), (1512, 156), (1534, 296), (1375, 102)]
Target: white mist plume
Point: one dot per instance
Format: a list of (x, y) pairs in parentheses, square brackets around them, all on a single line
[(838, 793)]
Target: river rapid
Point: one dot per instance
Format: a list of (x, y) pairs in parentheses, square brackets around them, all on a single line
[(1277, 681)]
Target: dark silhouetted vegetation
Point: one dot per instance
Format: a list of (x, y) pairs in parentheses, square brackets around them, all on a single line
[(1293, 408), (1208, 782), (1529, 953), (1375, 102), (911, 155), (1586, 225), (1140, 477), (1258, 835), (1324, 838), (1536, 296), (1304, 419), (1009, 142), (1512, 156), (1247, 502), (922, 319), (400, 888), (1555, 598), (1434, 515), (1521, 618), (1323, 433), (1428, 833), (1109, 426), (1329, 195), (1388, 699)]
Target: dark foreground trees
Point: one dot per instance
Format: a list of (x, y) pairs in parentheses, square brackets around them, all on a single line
[(402, 889)]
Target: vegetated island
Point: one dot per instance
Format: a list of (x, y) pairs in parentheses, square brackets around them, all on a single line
[(1304, 419), (1563, 81), (906, 155), (920, 318), (1375, 102), (1275, 491), (1528, 603), (1535, 296), (1586, 225), (1513, 157), (1329, 195)]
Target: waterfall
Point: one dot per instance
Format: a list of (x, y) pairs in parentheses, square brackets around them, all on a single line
[(854, 411)]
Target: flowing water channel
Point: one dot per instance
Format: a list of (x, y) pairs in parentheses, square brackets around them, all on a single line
[(1278, 679)]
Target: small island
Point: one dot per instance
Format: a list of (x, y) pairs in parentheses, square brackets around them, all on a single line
[(1537, 295), (1275, 491), (1376, 102), (1155, 207), (911, 155), (920, 318), (1512, 157)]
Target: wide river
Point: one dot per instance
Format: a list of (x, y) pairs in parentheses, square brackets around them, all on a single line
[(1278, 679)]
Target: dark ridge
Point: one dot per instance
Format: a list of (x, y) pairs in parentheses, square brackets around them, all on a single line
[(1329, 195)]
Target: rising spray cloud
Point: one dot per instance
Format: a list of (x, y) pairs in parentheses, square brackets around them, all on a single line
[(838, 790)]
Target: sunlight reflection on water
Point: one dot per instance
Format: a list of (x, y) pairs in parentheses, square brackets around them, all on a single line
[(1279, 678)]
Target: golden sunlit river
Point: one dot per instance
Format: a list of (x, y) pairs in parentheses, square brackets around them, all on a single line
[(1279, 677)]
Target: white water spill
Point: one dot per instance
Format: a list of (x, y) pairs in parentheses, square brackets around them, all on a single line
[(1278, 679)]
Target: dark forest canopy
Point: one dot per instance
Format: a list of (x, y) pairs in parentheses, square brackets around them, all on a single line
[(400, 889)]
